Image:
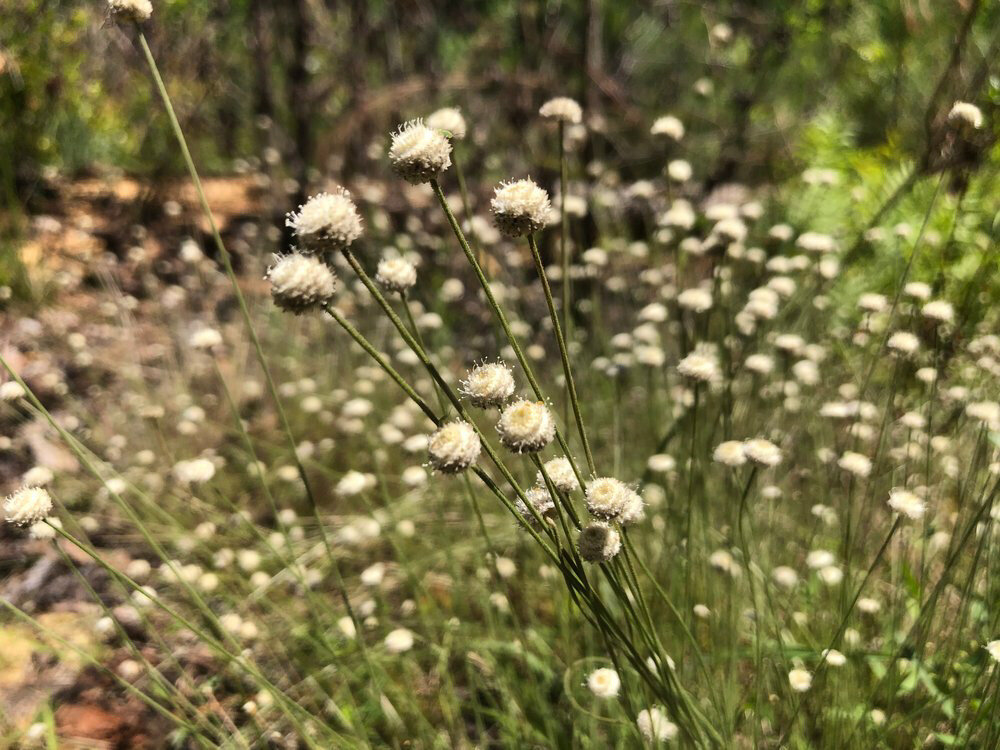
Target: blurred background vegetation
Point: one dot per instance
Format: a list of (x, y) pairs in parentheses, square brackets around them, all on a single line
[(303, 88)]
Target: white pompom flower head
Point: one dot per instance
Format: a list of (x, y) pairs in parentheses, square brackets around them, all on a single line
[(453, 447), (396, 274), (520, 207), (489, 385), (419, 153), (301, 282), (526, 426), (326, 223), (448, 120), (562, 109), (27, 506), (136, 11)]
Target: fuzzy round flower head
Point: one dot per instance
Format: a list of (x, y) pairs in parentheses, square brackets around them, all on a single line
[(939, 310), (300, 282), (453, 447), (668, 126), (655, 726), (396, 274), (599, 543), (855, 463), (12, 391), (993, 648), (907, 503), (699, 366), (490, 384), (563, 109), (538, 499), (903, 342), (966, 115), (800, 680), (607, 497), (205, 338), (27, 506), (450, 121), (762, 452), (560, 471), (634, 510), (520, 207), (326, 222), (419, 153), (730, 453), (604, 683), (399, 641), (526, 426), (130, 10), (695, 299)]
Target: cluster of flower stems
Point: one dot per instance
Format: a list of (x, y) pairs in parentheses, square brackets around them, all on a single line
[(625, 623)]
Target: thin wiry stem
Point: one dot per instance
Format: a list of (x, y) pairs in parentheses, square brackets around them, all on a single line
[(502, 319), (563, 353), (231, 273)]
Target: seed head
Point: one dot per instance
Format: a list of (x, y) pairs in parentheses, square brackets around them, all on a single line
[(454, 447), (939, 310), (130, 10), (419, 153), (560, 471), (800, 680), (669, 127), (526, 426), (449, 120), (300, 282), (489, 384), (520, 207), (730, 453), (539, 499), (604, 683), (654, 725), (396, 274), (326, 222), (607, 497), (699, 366), (762, 452), (562, 108), (27, 506), (599, 543), (907, 503), (966, 115)]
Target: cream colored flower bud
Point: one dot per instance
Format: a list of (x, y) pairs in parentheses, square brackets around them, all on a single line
[(326, 222), (562, 108), (966, 115), (560, 471), (454, 447), (526, 426), (599, 543), (300, 282), (449, 120), (607, 497), (762, 452), (27, 506), (396, 274), (419, 153), (130, 10), (520, 207), (488, 385)]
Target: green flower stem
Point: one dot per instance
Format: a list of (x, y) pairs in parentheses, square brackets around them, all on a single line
[(241, 300), (502, 319), (563, 353), (289, 707), (426, 409)]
